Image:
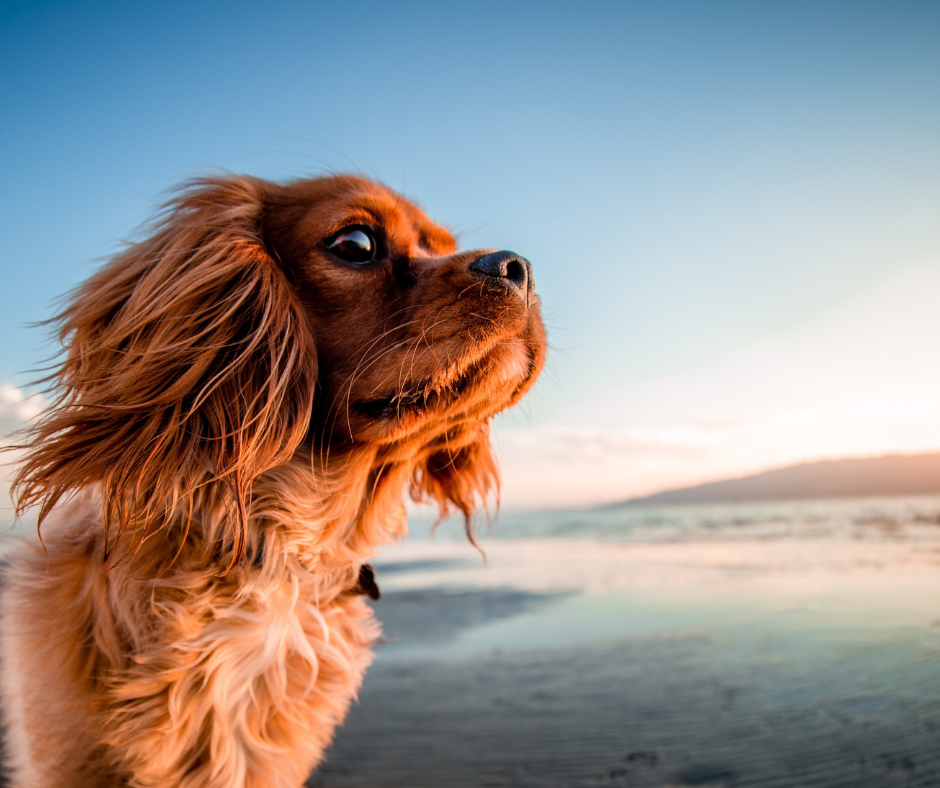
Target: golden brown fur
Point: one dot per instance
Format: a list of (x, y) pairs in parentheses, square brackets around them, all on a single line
[(239, 412)]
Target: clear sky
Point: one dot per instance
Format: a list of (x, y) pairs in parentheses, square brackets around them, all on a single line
[(722, 200)]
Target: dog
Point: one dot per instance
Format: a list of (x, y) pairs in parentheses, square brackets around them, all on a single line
[(244, 399)]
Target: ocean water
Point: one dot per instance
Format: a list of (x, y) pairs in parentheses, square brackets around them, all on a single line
[(776, 645), (553, 579), (915, 518)]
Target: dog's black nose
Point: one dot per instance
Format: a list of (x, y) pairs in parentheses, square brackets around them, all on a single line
[(509, 266)]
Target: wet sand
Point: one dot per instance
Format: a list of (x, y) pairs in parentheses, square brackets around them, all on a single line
[(808, 663), (681, 710)]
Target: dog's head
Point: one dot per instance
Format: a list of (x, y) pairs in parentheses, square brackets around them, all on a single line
[(411, 335), (262, 322)]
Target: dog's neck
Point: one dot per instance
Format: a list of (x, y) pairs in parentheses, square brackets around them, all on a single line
[(335, 513), (308, 515)]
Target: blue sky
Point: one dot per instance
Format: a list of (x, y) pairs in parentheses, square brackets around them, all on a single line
[(689, 179)]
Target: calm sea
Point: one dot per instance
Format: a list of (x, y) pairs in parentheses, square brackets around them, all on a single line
[(853, 518)]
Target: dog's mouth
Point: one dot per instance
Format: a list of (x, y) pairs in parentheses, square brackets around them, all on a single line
[(417, 399), (489, 381)]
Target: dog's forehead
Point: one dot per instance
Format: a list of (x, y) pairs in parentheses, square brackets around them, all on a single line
[(334, 202)]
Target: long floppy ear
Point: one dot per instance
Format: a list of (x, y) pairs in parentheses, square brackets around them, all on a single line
[(189, 370), (459, 476)]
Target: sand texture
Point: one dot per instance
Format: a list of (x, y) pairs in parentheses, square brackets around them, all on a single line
[(690, 709)]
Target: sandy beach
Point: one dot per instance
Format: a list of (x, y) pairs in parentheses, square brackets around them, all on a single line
[(807, 661)]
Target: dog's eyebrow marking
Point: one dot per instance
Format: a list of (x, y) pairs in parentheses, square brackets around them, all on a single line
[(363, 216), (437, 240)]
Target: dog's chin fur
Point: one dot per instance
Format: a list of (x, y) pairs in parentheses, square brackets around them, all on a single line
[(224, 455)]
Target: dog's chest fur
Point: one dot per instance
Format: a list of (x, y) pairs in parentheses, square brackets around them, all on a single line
[(251, 666)]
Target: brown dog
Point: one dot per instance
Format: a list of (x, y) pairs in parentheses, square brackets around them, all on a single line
[(244, 399)]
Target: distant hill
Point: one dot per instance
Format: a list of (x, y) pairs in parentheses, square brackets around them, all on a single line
[(894, 474)]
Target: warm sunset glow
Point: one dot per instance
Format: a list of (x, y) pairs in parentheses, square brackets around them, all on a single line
[(860, 380)]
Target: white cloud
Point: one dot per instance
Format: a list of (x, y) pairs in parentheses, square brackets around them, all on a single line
[(17, 410)]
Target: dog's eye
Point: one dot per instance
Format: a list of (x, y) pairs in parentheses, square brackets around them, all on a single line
[(354, 245)]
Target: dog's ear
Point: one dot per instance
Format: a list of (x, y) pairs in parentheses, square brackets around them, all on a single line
[(189, 370), (461, 475)]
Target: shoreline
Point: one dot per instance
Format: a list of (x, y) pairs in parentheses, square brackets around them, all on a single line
[(570, 662)]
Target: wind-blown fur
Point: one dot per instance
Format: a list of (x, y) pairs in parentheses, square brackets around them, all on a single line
[(238, 413)]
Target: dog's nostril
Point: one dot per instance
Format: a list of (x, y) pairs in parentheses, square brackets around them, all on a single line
[(515, 272), (508, 266)]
